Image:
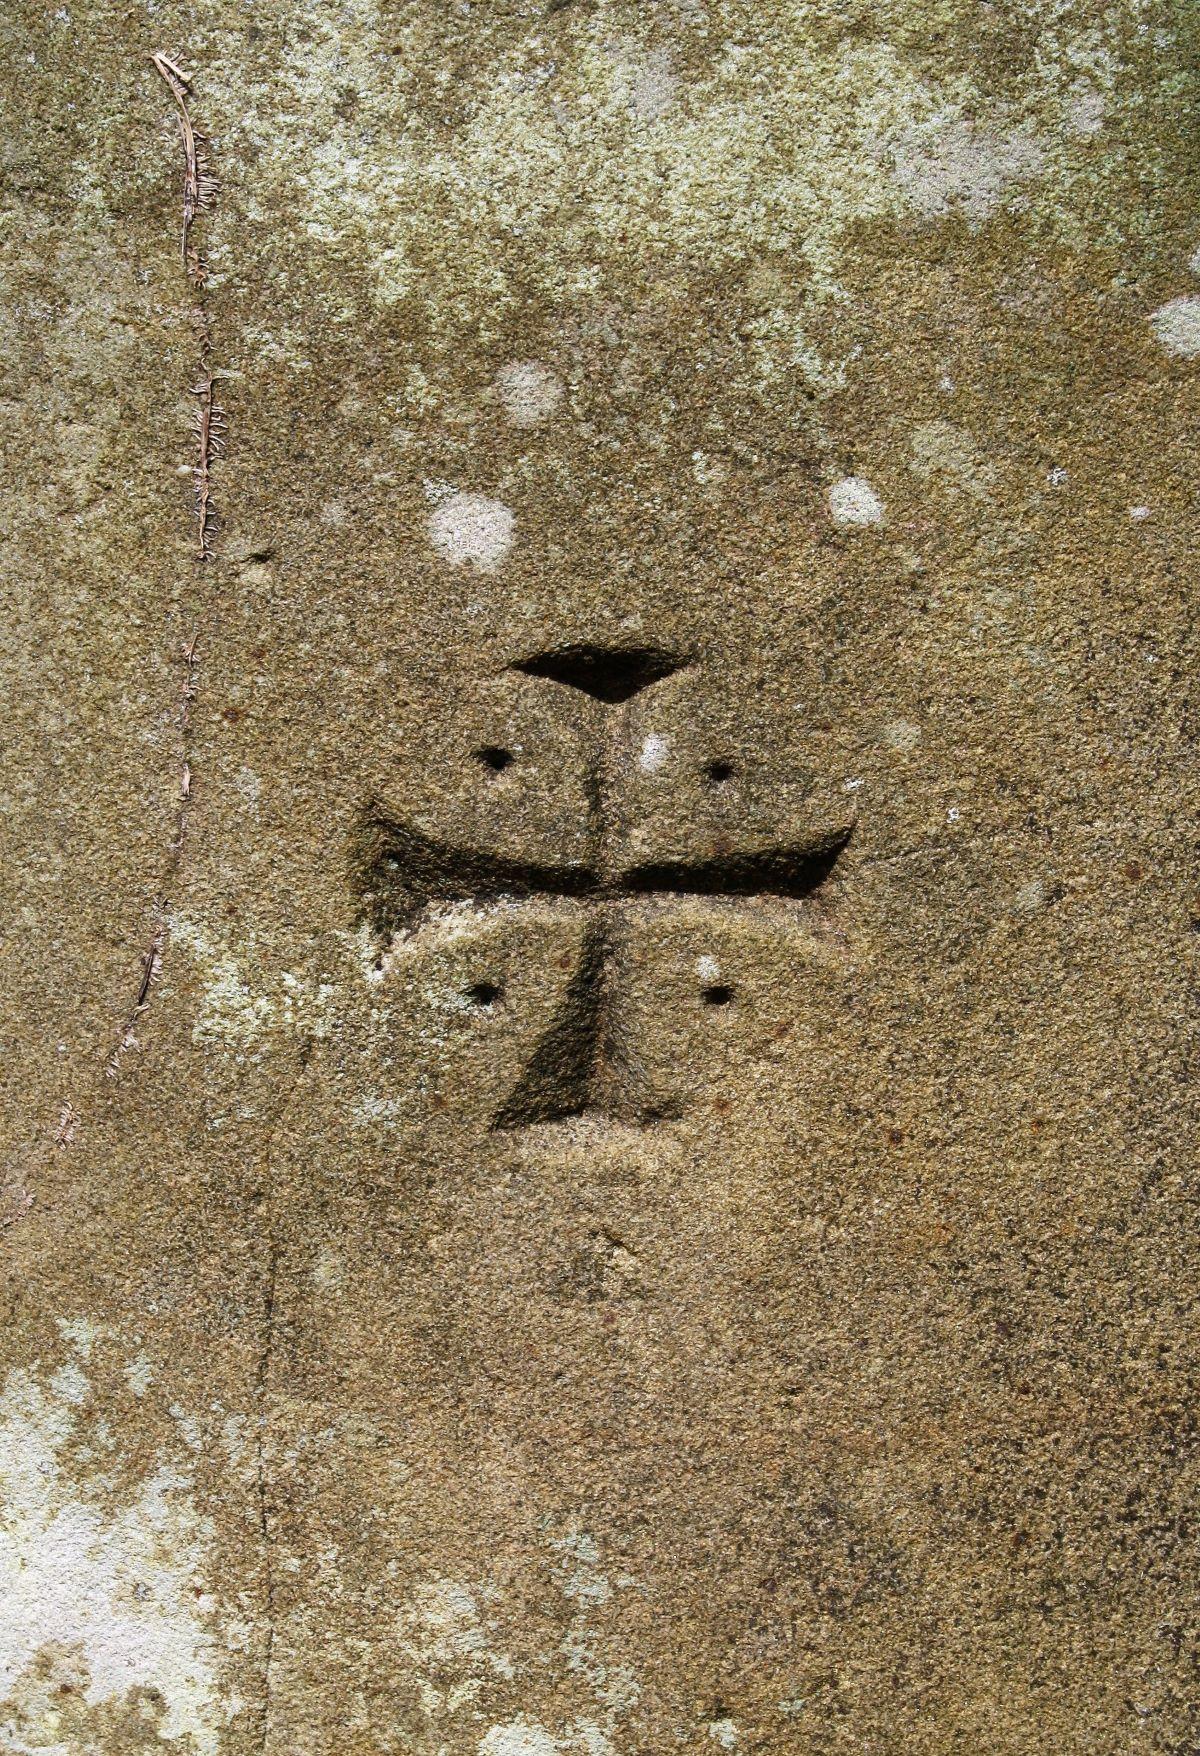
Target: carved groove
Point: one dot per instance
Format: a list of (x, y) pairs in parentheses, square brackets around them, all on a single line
[(404, 870), (583, 1062), (407, 869), (783, 871), (557, 1083)]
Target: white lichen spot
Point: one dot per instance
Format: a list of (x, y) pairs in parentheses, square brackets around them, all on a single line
[(708, 969), (723, 1732), (471, 530), (1194, 260), (249, 785), (901, 734), (853, 502), (580, 1568), (529, 392), (709, 471), (139, 1374), (70, 1383), (654, 752), (953, 163), (371, 1109), (81, 1332), (519, 1737), (443, 1622), (1085, 110), (238, 1441), (111, 1589), (329, 1269), (1177, 326), (1139, 513)]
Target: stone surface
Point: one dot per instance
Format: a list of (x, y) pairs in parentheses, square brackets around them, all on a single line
[(595, 973)]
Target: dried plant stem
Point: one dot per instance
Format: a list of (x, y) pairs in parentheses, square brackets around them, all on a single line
[(199, 193), (199, 185), (210, 441)]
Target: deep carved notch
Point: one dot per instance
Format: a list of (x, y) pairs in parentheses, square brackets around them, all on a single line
[(607, 673)]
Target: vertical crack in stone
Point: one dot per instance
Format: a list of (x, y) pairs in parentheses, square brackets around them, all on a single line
[(262, 1487), (199, 192)]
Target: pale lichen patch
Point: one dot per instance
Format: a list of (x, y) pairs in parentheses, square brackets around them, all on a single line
[(724, 1733), (111, 1593), (472, 530), (950, 163), (444, 1636), (853, 503), (942, 452), (519, 1737), (688, 149), (654, 752), (231, 1013), (579, 1569), (139, 1374), (81, 1333), (901, 734), (1177, 326), (529, 391)]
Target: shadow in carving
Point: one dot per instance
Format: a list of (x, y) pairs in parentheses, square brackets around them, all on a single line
[(607, 673), (557, 1083), (783, 871), (404, 870), (583, 1062)]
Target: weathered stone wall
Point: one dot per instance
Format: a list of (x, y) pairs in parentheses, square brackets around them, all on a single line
[(535, 1223)]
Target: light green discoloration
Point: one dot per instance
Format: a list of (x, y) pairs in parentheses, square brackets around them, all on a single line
[(721, 139), (235, 1011)]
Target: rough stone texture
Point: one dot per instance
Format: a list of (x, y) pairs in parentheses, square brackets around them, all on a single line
[(830, 1382)]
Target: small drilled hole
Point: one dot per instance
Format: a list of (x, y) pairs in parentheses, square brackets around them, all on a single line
[(493, 757), (718, 771), (483, 993), (718, 995)]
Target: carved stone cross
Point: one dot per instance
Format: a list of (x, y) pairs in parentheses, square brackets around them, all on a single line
[(583, 1063)]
